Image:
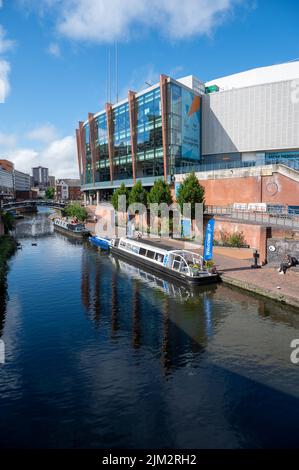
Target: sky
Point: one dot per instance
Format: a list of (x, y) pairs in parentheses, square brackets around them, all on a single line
[(54, 60)]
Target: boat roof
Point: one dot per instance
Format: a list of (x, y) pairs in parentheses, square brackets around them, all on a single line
[(158, 246)]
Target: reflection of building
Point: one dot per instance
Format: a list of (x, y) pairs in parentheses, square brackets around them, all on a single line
[(68, 189), (40, 176)]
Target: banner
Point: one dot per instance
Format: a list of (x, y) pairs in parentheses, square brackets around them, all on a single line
[(208, 245)]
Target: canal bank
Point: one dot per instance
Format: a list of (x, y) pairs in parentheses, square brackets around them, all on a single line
[(7, 248)]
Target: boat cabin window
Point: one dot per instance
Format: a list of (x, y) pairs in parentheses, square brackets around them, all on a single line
[(159, 257), (142, 251), (150, 254)]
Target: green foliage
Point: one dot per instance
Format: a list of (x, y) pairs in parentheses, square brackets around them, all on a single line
[(236, 240), (190, 191), (121, 191), (138, 194), (7, 249), (76, 210), (8, 221), (50, 192), (159, 193)]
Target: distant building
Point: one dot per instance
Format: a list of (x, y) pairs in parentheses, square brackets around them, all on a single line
[(6, 179), (68, 189), (40, 176), (6, 165), (22, 185), (52, 181)]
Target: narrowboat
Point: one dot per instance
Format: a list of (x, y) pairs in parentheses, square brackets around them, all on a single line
[(100, 242), (70, 227), (180, 265)]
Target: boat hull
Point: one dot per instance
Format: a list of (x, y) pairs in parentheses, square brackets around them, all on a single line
[(173, 275), (70, 232), (100, 243)]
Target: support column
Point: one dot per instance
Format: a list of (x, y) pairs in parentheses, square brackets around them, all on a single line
[(92, 144), (85, 197), (98, 196), (163, 93), (110, 137), (133, 124), (83, 150)]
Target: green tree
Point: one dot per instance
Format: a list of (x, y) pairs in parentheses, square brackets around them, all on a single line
[(50, 192), (138, 194), (8, 221), (76, 210), (121, 191), (160, 193), (190, 191)]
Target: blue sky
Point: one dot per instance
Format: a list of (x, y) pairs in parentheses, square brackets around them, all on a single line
[(54, 53)]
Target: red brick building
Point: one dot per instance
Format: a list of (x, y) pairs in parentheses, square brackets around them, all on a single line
[(68, 189)]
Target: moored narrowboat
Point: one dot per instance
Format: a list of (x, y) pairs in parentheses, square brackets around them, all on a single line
[(100, 242), (70, 227), (181, 265)]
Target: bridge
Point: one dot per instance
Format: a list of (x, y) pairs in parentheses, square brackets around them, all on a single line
[(13, 206)]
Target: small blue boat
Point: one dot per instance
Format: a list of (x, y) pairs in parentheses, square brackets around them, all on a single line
[(100, 242)]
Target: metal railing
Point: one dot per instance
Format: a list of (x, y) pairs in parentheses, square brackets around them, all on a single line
[(261, 218)]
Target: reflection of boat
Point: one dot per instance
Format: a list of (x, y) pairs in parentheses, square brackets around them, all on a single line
[(70, 227), (173, 289), (100, 242), (181, 265)]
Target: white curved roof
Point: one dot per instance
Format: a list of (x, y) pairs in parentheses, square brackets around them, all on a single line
[(258, 76)]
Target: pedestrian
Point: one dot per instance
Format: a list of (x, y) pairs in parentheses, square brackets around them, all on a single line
[(288, 262)]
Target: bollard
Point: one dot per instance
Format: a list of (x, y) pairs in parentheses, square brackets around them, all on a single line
[(256, 256)]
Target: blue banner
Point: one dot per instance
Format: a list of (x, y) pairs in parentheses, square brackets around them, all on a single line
[(208, 246)]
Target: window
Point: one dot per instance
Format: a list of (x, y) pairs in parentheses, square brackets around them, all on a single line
[(150, 254), (142, 251)]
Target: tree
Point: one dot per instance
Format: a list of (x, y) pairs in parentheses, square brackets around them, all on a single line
[(121, 191), (76, 210), (50, 192), (8, 222), (160, 193), (138, 194), (190, 191)]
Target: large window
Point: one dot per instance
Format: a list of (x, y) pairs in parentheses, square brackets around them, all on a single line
[(149, 134)]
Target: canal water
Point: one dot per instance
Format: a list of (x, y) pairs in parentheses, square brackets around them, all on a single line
[(102, 355)]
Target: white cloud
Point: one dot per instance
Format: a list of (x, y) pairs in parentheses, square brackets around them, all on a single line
[(45, 133), (7, 140), (54, 50), (4, 80), (60, 156), (5, 44), (109, 20)]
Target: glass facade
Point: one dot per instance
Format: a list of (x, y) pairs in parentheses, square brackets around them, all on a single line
[(182, 130)]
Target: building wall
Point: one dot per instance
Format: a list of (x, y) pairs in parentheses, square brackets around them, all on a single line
[(274, 189), (255, 118), (7, 165), (6, 182), (21, 181)]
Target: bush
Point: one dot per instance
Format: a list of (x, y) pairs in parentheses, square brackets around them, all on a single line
[(236, 240), (121, 191), (190, 191), (76, 210)]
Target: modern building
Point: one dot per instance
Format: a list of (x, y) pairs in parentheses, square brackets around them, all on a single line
[(6, 184), (22, 185), (148, 135), (68, 189), (40, 176), (175, 126), (6, 165), (52, 181)]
